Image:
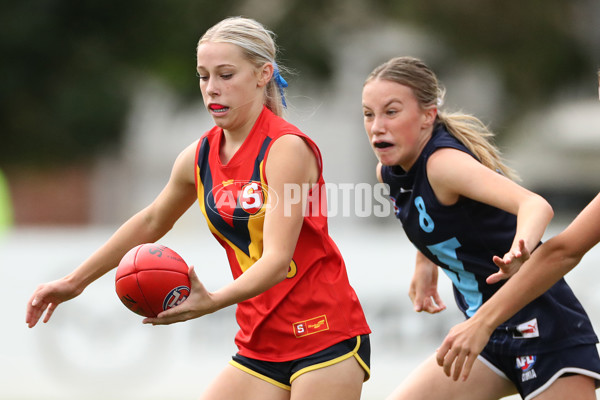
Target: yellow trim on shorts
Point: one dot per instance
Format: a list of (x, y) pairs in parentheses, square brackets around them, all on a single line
[(353, 353), (259, 376)]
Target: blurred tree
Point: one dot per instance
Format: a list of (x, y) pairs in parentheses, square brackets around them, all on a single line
[(6, 210), (531, 43), (69, 67)]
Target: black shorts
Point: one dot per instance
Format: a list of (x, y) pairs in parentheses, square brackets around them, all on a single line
[(282, 374), (534, 373)]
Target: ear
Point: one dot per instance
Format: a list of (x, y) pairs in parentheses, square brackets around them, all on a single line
[(265, 73), (429, 116)]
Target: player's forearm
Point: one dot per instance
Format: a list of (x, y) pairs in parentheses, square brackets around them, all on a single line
[(263, 275), (548, 264), (545, 267), (422, 263), (138, 229), (533, 217)]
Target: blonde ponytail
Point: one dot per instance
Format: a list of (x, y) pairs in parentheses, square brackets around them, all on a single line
[(476, 137)]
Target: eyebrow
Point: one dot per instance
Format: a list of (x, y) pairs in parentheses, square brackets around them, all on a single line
[(198, 67), (394, 100)]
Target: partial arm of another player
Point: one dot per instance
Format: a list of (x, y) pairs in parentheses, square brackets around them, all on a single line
[(423, 287), (550, 262), (290, 162), (146, 226)]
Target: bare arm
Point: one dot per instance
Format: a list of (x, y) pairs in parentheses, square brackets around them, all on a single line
[(290, 162), (423, 286), (378, 172), (454, 174), (547, 265), (148, 225)]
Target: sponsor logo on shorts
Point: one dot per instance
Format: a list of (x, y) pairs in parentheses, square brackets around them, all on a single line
[(527, 330), (310, 326), (525, 364)]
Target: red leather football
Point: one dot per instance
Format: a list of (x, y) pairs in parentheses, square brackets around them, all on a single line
[(152, 278)]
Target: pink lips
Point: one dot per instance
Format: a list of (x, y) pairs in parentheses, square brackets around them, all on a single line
[(218, 107)]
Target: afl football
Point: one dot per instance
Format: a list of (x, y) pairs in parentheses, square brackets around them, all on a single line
[(152, 278)]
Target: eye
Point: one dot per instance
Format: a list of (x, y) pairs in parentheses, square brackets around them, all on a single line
[(391, 112), (226, 76), (367, 114)]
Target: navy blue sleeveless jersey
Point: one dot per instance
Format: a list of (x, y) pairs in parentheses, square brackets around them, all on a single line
[(462, 239)]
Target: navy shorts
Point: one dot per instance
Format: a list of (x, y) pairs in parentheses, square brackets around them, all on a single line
[(534, 373), (282, 374)]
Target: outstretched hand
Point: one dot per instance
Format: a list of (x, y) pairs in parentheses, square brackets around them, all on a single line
[(423, 289), (510, 263), (46, 298), (461, 347), (198, 303)]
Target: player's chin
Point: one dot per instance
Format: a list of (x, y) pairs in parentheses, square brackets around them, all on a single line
[(385, 160)]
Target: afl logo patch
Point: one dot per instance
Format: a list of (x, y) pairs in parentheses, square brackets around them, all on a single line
[(396, 208), (525, 363), (175, 297)]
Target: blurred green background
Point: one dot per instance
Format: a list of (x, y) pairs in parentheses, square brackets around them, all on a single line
[(70, 69)]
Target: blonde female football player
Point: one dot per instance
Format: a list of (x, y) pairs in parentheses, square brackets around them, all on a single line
[(459, 207), (303, 334)]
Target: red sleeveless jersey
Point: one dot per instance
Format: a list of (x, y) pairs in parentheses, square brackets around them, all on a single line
[(315, 307)]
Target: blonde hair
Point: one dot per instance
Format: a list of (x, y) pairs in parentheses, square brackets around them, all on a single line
[(469, 130), (258, 46)]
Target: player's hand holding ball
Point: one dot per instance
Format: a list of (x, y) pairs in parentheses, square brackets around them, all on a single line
[(155, 282), (199, 303)]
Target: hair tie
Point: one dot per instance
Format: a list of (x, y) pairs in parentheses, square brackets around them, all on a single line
[(280, 82)]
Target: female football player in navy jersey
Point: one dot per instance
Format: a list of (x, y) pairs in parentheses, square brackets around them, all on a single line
[(548, 264), (459, 206), (303, 333)]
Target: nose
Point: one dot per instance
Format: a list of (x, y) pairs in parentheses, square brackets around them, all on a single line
[(211, 87), (377, 125)]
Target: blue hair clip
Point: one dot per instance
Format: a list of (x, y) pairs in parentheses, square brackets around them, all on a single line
[(281, 83)]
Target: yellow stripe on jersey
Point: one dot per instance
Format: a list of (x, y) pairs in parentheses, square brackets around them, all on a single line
[(255, 228)]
